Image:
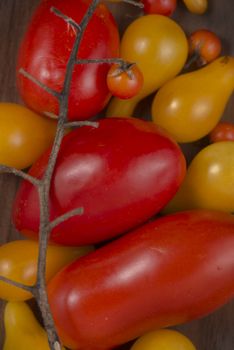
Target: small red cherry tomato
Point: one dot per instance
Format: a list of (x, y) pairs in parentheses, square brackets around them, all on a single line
[(160, 7), (124, 81), (223, 131), (206, 44)]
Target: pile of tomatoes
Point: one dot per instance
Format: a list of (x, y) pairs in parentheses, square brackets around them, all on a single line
[(151, 248)]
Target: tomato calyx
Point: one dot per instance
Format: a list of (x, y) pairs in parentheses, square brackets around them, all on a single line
[(124, 67), (204, 47), (124, 80), (194, 61)]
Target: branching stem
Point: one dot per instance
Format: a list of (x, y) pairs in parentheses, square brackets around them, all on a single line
[(30, 289), (38, 83), (119, 61), (134, 3), (67, 19), (44, 189), (66, 216), (78, 124), (43, 185), (9, 170)]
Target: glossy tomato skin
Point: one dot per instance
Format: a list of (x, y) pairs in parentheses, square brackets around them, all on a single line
[(172, 270), (121, 173), (42, 55)]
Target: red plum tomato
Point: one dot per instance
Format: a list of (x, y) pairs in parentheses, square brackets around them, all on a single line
[(121, 173), (153, 277)]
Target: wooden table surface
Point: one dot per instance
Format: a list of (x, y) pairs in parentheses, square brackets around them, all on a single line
[(215, 332)]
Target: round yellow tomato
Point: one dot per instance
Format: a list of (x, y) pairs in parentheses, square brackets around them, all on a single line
[(196, 6), (18, 262), (209, 181), (24, 135), (159, 47), (163, 339)]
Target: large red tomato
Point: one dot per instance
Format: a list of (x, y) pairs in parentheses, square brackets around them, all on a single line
[(121, 173), (44, 54), (167, 272)]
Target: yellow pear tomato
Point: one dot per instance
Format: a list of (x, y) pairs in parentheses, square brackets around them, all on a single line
[(190, 105), (23, 331)]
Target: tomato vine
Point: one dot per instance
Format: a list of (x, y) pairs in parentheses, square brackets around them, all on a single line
[(38, 290)]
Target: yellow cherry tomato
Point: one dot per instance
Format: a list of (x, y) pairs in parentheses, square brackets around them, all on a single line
[(209, 182), (196, 6), (163, 339), (24, 135), (18, 261), (159, 47), (23, 331)]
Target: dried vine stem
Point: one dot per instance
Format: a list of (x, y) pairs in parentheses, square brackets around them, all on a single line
[(134, 3), (35, 81), (43, 185), (101, 61), (79, 124), (64, 217), (9, 170), (44, 188), (29, 289)]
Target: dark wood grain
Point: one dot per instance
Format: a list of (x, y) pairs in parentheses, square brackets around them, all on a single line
[(214, 332)]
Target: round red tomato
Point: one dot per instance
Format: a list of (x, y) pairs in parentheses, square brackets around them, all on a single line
[(121, 173), (44, 54), (125, 82), (167, 272), (224, 131), (205, 44), (160, 7)]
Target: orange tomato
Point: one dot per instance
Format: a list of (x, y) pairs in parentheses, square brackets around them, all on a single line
[(125, 82), (24, 135), (206, 44)]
